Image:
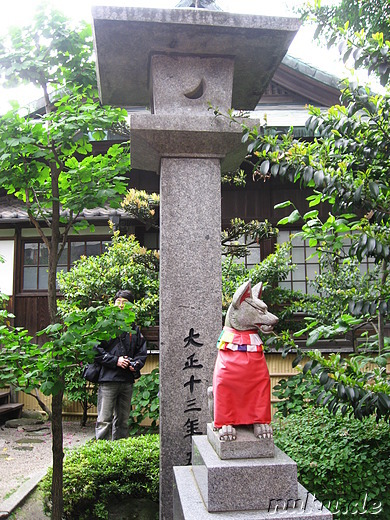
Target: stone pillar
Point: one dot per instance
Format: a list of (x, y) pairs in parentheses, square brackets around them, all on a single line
[(190, 304), (180, 62), (190, 144)]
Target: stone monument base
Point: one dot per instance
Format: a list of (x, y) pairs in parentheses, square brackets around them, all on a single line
[(242, 484), (188, 504)]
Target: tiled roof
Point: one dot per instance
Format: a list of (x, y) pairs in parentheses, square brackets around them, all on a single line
[(311, 71), (12, 211)]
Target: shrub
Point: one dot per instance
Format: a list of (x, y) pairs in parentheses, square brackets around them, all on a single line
[(101, 472), (294, 395), (145, 401), (77, 389), (124, 265), (343, 461)]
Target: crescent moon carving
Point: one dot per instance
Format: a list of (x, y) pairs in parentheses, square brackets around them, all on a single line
[(197, 93)]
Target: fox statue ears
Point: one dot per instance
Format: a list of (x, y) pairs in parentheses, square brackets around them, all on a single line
[(257, 290), (245, 291)]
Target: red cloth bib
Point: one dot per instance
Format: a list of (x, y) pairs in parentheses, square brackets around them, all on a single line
[(241, 388)]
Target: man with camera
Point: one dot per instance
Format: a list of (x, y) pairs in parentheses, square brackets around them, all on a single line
[(121, 360)]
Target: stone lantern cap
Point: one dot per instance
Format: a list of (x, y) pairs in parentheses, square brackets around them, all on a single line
[(126, 39)]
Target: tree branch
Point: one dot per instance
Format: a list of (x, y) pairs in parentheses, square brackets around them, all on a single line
[(35, 223), (65, 234), (41, 211)]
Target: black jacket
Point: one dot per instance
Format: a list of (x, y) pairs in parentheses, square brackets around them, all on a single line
[(108, 352)]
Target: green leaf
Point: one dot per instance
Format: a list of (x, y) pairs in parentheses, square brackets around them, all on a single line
[(371, 243), (342, 228), (358, 194), (308, 174), (313, 337), (319, 178), (324, 378), (311, 215), (294, 217), (374, 189), (297, 360), (384, 400), (264, 168), (283, 221), (284, 204)]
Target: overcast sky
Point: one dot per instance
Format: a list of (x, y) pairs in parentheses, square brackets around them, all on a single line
[(20, 12)]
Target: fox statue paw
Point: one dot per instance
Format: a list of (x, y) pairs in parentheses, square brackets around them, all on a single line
[(263, 431), (227, 433)]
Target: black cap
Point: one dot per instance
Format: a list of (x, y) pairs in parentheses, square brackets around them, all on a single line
[(126, 294)]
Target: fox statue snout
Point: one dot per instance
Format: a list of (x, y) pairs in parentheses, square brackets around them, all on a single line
[(241, 383)]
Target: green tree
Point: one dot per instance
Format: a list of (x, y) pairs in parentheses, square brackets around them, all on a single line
[(371, 16), (46, 160), (346, 166), (96, 279), (360, 29)]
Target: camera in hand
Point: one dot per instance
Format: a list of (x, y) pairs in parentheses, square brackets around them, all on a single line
[(133, 364)]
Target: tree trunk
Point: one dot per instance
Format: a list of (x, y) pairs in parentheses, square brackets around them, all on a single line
[(381, 318), (84, 417), (52, 274), (57, 433), (58, 455)]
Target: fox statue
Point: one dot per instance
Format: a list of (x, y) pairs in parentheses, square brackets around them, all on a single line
[(240, 394)]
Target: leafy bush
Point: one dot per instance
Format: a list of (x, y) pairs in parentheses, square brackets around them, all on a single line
[(275, 267), (77, 389), (272, 270), (124, 265), (343, 461), (142, 206), (294, 395), (104, 471), (145, 401)]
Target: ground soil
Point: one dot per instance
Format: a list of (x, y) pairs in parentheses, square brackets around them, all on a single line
[(27, 449)]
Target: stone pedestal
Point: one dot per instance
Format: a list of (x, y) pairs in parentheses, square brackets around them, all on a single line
[(189, 505), (242, 484), (241, 488)]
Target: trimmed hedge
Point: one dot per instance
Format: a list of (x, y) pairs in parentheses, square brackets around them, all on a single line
[(102, 472), (343, 461)]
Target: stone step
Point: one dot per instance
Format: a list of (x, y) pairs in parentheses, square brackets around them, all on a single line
[(188, 503), (4, 394), (12, 409), (242, 484), (22, 422)]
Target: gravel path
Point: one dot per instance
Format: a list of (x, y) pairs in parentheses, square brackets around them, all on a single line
[(27, 449)]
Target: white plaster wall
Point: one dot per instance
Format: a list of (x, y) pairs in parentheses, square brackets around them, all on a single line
[(99, 230), (7, 251)]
